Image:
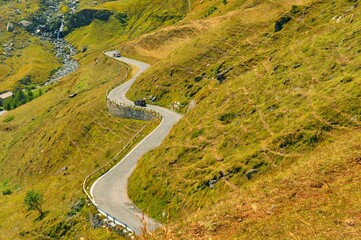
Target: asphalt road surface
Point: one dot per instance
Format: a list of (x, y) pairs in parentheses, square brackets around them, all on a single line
[(110, 190)]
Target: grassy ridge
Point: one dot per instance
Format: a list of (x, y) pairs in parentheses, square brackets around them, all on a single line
[(130, 19), (262, 100)]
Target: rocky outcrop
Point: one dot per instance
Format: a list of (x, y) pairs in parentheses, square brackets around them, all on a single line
[(27, 25), (86, 16)]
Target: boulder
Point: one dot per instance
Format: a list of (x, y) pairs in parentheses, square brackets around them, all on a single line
[(251, 172), (10, 27), (84, 49), (27, 25), (281, 22)]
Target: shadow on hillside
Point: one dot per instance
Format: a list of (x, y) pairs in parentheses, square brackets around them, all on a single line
[(41, 216)]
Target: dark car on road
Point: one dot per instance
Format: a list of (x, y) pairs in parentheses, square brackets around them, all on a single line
[(116, 54), (140, 102)]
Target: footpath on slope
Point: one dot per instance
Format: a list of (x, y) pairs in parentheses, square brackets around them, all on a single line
[(110, 191)]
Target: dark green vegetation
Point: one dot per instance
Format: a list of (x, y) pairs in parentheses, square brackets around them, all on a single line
[(269, 147), (34, 201), (21, 97)]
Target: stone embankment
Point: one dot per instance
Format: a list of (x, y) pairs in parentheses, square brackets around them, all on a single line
[(130, 112)]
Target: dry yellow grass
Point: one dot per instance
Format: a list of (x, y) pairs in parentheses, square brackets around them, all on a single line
[(316, 197)]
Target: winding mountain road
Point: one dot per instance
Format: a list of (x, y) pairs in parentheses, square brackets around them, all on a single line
[(110, 192)]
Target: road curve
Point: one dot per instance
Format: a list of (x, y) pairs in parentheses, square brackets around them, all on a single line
[(110, 192)]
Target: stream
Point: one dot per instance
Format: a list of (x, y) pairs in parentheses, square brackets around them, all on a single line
[(63, 50)]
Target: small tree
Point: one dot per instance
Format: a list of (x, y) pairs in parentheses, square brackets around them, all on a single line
[(33, 200)]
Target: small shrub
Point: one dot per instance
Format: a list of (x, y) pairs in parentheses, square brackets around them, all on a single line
[(347, 79), (295, 9), (227, 118), (34, 201), (122, 18), (197, 133), (9, 119), (7, 192), (210, 11)]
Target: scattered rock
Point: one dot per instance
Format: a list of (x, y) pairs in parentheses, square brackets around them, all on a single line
[(176, 105), (212, 182), (10, 27), (84, 49), (192, 105), (297, 65), (95, 221), (281, 22), (62, 170), (275, 68), (250, 173), (73, 95), (76, 207), (350, 222), (153, 98), (317, 185), (287, 81), (222, 76), (339, 19)]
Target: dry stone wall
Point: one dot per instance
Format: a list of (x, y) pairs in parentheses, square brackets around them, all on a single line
[(130, 112)]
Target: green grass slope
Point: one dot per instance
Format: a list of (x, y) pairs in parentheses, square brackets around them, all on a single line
[(129, 19), (52, 143), (254, 99)]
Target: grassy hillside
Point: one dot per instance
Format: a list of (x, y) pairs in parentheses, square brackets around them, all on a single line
[(317, 197), (254, 99), (52, 143), (57, 141), (129, 19), (269, 145)]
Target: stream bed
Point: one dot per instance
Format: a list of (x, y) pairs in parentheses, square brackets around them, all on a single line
[(49, 26)]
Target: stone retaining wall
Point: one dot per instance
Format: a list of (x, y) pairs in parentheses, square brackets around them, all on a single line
[(130, 112)]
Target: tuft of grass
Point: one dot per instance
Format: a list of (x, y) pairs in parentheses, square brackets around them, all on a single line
[(8, 119)]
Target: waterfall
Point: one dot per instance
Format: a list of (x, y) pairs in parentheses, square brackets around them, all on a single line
[(61, 29)]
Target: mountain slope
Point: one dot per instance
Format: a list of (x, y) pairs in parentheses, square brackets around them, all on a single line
[(269, 143), (256, 101)]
